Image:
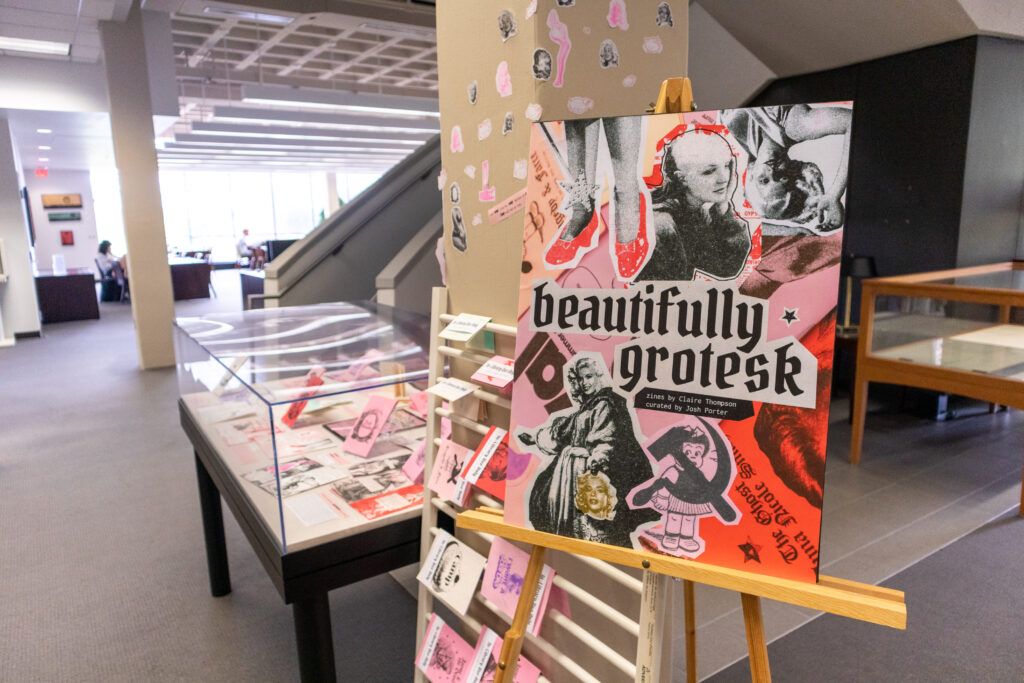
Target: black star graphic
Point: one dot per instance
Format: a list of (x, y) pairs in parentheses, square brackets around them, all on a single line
[(750, 551), (790, 316)]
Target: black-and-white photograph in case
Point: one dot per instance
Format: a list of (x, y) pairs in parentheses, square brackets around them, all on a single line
[(372, 478), (471, 91), (506, 127), (455, 193)]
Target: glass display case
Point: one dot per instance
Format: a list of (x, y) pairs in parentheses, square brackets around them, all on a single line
[(956, 331), (312, 411)]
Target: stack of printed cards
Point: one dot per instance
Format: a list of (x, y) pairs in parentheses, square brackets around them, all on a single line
[(464, 327), (451, 389), (444, 657), (497, 372), (452, 571)]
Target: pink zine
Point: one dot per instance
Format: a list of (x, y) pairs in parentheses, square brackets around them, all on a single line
[(485, 663), (444, 657), (445, 481), (503, 581), (414, 466), (369, 424)]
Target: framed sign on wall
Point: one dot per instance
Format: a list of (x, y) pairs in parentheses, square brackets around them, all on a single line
[(62, 201)]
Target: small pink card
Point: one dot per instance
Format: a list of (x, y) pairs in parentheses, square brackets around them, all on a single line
[(444, 657), (485, 661), (503, 581), (496, 372), (413, 467), (444, 476), (418, 403), (369, 425)]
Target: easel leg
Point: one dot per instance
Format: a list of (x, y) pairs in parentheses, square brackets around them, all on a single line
[(691, 632), (513, 642), (760, 672)]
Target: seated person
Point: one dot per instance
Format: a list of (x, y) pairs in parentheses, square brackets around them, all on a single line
[(257, 257), (105, 260)]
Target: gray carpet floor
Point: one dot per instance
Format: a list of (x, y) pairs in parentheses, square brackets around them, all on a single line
[(103, 575), (964, 623), (102, 569)]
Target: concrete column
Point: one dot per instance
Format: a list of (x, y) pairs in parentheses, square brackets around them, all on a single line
[(131, 122), (332, 194), (18, 308)]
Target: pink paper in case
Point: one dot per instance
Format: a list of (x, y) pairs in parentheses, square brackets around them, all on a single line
[(444, 476), (444, 657), (418, 403), (369, 425), (413, 467), (503, 582)]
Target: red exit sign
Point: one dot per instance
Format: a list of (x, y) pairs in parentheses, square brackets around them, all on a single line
[(42, 172)]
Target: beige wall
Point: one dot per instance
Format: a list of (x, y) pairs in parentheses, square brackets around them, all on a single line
[(82, 253), (17, 295), (485, 278)]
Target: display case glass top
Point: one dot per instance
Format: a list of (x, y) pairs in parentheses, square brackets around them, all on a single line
[(968, 320), (359, 346), (308, 415)]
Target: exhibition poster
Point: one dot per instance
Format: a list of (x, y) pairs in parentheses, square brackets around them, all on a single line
[(674, 352)]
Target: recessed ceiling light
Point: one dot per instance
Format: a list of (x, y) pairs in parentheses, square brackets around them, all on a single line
[(44, 147), (43, 130), (44, 159), (43, 47)]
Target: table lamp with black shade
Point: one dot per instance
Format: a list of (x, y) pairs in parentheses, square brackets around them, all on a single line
[(855, 267)]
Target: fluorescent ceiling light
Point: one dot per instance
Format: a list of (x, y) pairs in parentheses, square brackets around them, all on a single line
[(44, 159), (44, 147), (263, 153), (255, 16), (43, 130), (232, 141), (311, 118), (42, 47), (384, 135), (340, 99), (399, 28)]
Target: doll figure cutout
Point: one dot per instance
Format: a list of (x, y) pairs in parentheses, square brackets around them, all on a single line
[(692, 485)]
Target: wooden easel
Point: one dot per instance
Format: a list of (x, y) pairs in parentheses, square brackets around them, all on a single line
[(838, 596), (846, 598)]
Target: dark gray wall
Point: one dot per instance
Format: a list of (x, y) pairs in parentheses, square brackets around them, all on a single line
[(990, 216), (909, 141)]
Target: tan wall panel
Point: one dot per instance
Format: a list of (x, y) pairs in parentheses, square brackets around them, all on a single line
[(485, 277)]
